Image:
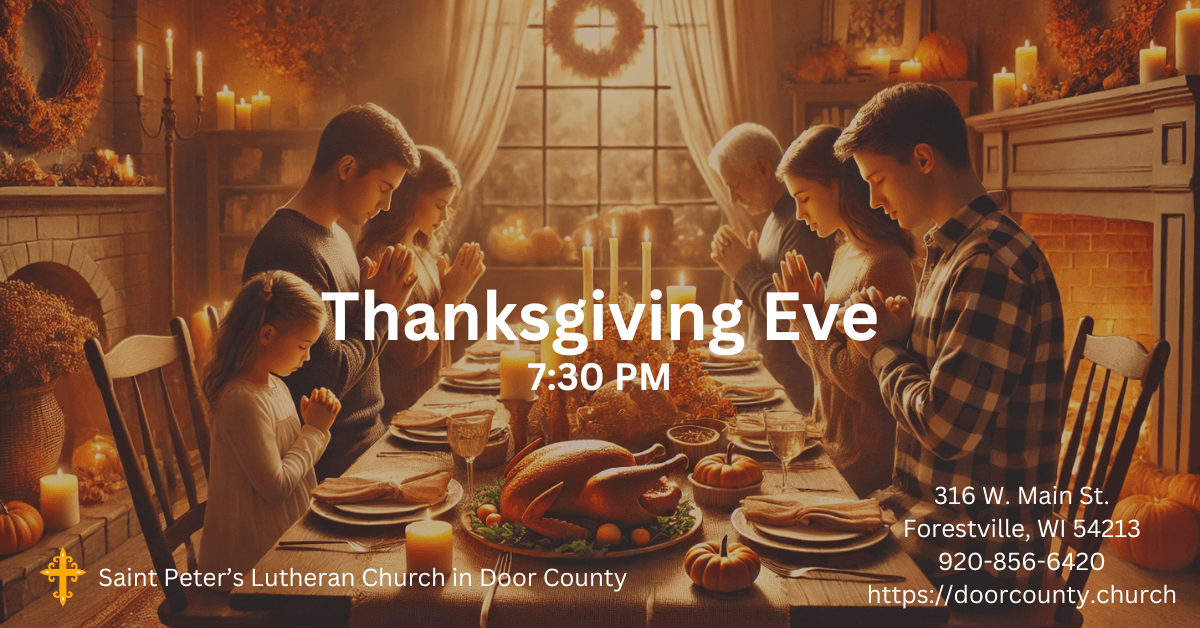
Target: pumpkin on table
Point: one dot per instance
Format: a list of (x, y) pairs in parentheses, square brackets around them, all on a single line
[(728, 470), (1185, 489), (725, 567), (20, 527), (1168, 533)]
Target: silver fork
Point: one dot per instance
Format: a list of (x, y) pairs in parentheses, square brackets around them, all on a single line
[(355, 546), (785, 571), (503, 564)]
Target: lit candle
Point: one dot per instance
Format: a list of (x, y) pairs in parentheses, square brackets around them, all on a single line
[(881, 67), (429, 546), (1152, 63), (612, 264), (201, 335), (588, 269), (1027, 63), (910, 71), (141, 88), (243, 115), (516, 378), (646, 267), (681, 295), (260, 111), (199, 74), (170, 54), (129, 166), (60, 501), (1187, 40), (225, 108), (1004, 89), (550, 357)]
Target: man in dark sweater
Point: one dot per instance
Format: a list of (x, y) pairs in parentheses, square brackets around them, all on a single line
[(746, 159), (362, 155)]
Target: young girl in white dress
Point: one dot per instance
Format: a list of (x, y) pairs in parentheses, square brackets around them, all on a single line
[(261, 466)]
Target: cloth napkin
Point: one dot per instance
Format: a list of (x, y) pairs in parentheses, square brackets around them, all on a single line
[(426, 488), (751, 426), (418, 417), (745, 356), (738, 392), (492, 348), (791, 509), (470, 374)]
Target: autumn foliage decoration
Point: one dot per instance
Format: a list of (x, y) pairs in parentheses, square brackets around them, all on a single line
[(1098, 56), (303, 40)]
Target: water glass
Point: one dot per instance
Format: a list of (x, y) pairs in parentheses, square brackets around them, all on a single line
[(786, 432), (468, 436)]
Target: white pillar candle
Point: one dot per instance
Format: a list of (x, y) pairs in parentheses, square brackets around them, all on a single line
[(1187, 40), (1152, 63), (141, 88), (613, 251), (60, 501), (199, 74), (170, 54), (243, 115), (429, 546), (910, 71), (260, 112), (1004, 89), (1027, 63), (681, 295), (646, 268), (516, 378), (881, 67), (225, 110)]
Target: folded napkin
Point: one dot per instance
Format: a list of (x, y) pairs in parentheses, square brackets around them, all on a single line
[(751, 426), (467, 374), (426, 488), (746, 355), (737, 392), (791, 509), (492, 348), (418, 417)]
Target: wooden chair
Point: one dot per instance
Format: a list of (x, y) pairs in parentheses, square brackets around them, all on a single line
[(1102, 463), (140, 356), (214, 318)]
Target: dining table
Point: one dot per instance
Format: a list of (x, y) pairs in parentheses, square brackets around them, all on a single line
[(654, 589)]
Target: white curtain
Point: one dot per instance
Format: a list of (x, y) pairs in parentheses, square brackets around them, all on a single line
[(720, 60)]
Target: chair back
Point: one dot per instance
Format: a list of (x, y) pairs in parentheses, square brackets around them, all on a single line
[(214, 317), (141, 358), (1103, 460)]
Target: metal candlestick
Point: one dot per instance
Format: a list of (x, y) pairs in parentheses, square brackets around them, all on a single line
[(518, 419), (167, 122)]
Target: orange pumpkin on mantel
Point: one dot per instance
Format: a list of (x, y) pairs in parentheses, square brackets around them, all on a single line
[(724, 566), (1168, 533), (20, 527), (728, 470), (943, 57)]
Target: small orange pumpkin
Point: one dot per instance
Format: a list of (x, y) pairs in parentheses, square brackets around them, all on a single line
[(1185, 489), (20, 527), (943, 57), (1168, 534), (728, 470), (98, 457), (1144, 478), (724, 566)]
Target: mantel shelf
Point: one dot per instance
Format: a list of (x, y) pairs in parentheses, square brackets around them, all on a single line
[(80, 191)]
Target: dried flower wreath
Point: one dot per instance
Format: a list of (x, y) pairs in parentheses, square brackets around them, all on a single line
[(609, 60)]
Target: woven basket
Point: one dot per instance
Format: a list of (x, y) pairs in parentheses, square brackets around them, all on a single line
[(32, 429)]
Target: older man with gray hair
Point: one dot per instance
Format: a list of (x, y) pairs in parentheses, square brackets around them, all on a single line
[(746, 159)]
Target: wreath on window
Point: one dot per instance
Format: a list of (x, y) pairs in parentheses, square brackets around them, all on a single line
[(61, 119), (609, 60)]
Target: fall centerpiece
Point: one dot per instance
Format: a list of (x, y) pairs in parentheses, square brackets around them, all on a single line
[(41, 338)]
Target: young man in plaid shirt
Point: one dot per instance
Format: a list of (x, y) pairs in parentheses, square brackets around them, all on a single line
[(976, 388)]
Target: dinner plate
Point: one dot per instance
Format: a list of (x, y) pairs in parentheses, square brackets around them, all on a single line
[(746, 402), (762, 446), (454, 494), (730, 367), (486, 386), (747, 530), (807, 534), (414, 437), (380, 506)]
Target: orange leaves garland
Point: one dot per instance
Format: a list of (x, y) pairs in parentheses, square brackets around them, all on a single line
[(56, 122), (303, 40), (1098, 56)]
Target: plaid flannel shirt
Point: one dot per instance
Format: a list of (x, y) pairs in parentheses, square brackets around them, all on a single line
[(977, 391)]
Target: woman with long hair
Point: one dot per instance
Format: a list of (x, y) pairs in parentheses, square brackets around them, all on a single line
[(832, 198), (420, 208)]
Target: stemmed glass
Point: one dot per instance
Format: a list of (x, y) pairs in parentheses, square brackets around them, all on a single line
[(786, 432), (468, 436)]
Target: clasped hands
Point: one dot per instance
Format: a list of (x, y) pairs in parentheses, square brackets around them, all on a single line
[(893, 315), (731, 252), (392, 276)]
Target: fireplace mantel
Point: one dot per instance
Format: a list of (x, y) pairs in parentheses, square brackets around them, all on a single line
[(1127, 153)]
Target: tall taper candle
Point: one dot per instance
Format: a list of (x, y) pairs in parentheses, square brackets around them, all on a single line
[(646, 268), (141, 88), (588, 272), (170, 54), (1027, 63), (613, 250), (1187, 40), (199, 74)]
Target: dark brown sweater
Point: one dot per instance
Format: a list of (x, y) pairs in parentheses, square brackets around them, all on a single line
[(325, 258)]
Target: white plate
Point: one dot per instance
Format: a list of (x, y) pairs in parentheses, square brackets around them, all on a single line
[(807, 534), (730, 367), (747, 530), (377, 507), (746, 402), (469, 386), (762, 446), (403, 434), (453, 495)]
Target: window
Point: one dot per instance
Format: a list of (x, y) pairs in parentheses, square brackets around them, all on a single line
[(574, 147)]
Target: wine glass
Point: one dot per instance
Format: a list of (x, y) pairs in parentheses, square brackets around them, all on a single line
[(786, 432), (468, 436)]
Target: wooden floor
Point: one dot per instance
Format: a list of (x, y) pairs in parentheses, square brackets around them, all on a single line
[(90, 597)]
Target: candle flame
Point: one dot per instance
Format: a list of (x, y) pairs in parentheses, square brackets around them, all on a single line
[(614, 228), (517, 339), (260, 92), (199, 56), (1004, 69), (428, 514), (1026, 43), (243, 100), (1152, 44), (646, 235), (139, 50), (169, 33), (587, 238), (224, 88), (681, 278), (60, 473), (880, 53)]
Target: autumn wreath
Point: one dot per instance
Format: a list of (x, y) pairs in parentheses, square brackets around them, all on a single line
[(57, 121), (609, 60)]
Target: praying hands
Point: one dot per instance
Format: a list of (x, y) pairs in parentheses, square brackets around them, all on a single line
[(893, 317), (731, 252), (392, 277), (793, 276)]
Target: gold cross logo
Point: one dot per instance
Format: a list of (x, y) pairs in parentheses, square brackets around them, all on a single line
[(67, 568)]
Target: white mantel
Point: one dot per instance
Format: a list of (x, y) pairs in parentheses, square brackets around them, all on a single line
[(1127, 153)]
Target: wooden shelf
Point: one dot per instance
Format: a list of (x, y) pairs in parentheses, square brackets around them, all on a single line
[(856, 95)]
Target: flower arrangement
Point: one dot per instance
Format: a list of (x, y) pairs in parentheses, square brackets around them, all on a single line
[(303, 40), (41, 336)]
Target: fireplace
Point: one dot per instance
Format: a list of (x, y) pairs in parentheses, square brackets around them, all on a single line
[(1105, 182)]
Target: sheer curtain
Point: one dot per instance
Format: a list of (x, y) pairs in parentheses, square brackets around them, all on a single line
[(720, 57)]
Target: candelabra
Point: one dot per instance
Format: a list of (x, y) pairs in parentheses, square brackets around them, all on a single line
[(167, 126)]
